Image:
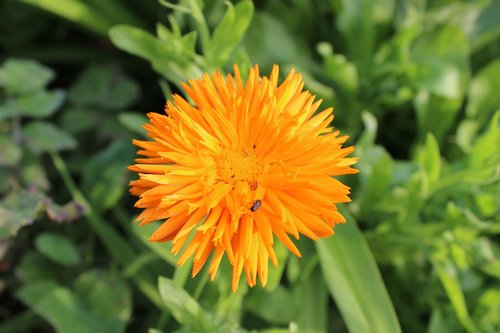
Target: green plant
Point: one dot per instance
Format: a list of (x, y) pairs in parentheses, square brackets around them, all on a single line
[(24, 138), (413, 82)]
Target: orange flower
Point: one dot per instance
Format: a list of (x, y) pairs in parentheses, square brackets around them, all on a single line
[(246, 164)]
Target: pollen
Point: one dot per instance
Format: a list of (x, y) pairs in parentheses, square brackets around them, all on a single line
[(239, 165)]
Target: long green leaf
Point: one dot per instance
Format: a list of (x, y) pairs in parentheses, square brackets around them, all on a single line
[(447, 274), (313, 297), (77, 12), (355, 283), (162, 56), (118, 11), (229, 33)]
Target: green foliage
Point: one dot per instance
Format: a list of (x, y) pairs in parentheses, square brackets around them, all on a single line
[(23, 139), (413, 82), (353, 279), (42, 137), (173, 54), (133, 121), (24, 76), (104, 87), (17, 210), (58, 248), (96, 16), (183, 308), (98, 303), (228, 33), (105, 174)]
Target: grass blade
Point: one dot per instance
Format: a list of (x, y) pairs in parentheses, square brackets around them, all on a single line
[(354, 281)]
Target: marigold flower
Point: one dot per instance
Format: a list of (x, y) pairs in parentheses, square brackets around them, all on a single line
[(247, 163)]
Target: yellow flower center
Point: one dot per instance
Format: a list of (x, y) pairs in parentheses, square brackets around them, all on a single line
[(239, 165)]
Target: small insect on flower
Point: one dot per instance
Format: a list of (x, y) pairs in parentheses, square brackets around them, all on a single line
[(262, 142), (256, 205)]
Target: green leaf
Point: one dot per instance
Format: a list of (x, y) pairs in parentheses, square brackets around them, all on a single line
[(275, 273), (36, 267), (488, 204), (376, 172), (182, 273), (58, 248), (429, 159), (439, 78), (40, 104), (183, 307), (6, 111), (106, 295), (140, 262), (34, 292), (134, 121), (485, 149), (5, 185), (312, 296), (33, 175), (339, 69), (43, 137), (78, 12), (483, 96), (24, 76), (354, 281), (486, 26), (466, 133), (188, 43), (276, 306), (154, 330), (176, 67), (139, 42), (487, 310), (448, 275), (443, 323), (179, 46), (369, 135), (315, 86), (229, 33), (105, 175), (492, 268), (19, 209), (266, 49), (435, 114), (64, 310), (355, 21), (117, 11), (103, 86), (162, 249), (77, 120), (442, 57), (10, 152), (442, 69), (228, 310), (58, 306)]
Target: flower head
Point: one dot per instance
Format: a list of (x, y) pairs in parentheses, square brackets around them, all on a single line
[(245, 165)]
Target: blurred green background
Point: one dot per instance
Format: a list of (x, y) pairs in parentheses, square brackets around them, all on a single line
[(414, 83)]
